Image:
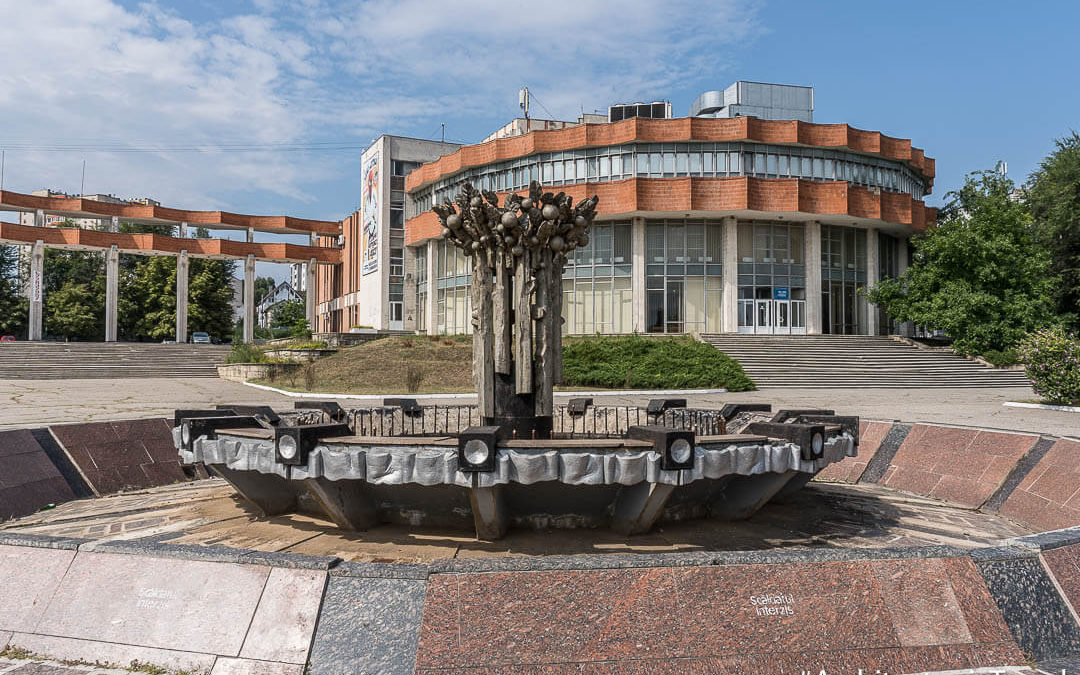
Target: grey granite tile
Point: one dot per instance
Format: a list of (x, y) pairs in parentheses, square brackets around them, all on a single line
[(879, 463), (176, 551), (368, 570), (1007, 551), (368, 627), (1034, 611), (1045, 541), (10, 538), (290, 560)]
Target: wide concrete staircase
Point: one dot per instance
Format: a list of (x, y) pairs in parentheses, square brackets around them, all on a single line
[(834, 361), (72, 360)]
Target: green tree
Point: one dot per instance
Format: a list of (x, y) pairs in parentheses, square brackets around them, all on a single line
[(71, 311), (1053, 195), (980, 275), (155, 297), (210, 297), (263, 285), (13, 306), (286, 314)]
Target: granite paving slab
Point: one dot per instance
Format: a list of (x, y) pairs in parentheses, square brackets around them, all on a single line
[(69, 649), (185, 605), (30, 578), (1064, 564), (285, 619), (850, 614), (28, 478), (368, 626), (228, 666), (1036, 614), (1049, 496), (850, 469)]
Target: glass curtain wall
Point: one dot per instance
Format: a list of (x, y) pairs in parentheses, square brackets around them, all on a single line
[(684, 280), (888, 268), (843, 280), (772, 278), (597, 287), (421, 287), (453, 272)]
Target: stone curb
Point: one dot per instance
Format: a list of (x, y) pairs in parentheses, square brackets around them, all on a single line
[(1043, 406)]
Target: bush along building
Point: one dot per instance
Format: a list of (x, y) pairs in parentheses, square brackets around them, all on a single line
[(744, 217)]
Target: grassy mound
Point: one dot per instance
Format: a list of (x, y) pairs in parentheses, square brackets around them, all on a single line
[(636, 362), (443, 364), (436, 364)]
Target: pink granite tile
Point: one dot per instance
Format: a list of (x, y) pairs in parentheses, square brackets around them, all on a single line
[(924, 609), (1064, 563), (1049, 496)]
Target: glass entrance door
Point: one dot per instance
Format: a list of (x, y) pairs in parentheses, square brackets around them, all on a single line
[(772, 317)]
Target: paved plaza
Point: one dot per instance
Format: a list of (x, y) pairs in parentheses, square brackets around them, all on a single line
[(28, 403)]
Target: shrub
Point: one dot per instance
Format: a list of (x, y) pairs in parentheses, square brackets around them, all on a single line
[(1002, 358), (1051, 358), (414, 376), (245, 352), (650, 363)]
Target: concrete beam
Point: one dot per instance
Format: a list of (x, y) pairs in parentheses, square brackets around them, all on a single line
[(345, 503), (181, 296), (742, 496), (271, 495), (112, 292), (730, 299), (489, 511), (249, 299), (35, 288), (813, 278), (309, 293), (639, 506)]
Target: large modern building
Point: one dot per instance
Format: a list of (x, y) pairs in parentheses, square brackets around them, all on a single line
[(746, 219)]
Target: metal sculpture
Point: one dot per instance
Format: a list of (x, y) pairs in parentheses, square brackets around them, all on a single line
[(518, 252)]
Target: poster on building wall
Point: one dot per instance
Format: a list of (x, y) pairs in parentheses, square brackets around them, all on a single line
[(369, 218)]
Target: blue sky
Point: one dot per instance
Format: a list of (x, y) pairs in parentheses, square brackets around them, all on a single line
[(150, 94)]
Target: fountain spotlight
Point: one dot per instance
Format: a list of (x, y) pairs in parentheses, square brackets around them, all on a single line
[(197, 427), (577, 406), (408, 406), (659, 405), (809, 437), (478, 449), (675, 446), (254, 410), (180, 415), (293, 444), (787, 415)]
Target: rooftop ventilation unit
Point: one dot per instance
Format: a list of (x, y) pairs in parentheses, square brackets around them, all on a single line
[(660, 110)]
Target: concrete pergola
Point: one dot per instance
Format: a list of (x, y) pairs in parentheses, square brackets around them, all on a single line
[(112, 242)]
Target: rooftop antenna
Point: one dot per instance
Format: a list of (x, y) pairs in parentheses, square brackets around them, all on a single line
[(3, 159), (82, 185), (443, 125), (523, 101)]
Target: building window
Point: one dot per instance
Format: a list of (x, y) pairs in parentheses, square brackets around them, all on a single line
[(453, 272), (772, 278), (597, 290), (843, 280), (684, 276)]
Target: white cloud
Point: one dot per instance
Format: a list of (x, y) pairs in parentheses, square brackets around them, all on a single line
[(95, 72)]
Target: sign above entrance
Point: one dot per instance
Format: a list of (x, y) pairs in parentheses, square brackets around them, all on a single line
[(780, 293)]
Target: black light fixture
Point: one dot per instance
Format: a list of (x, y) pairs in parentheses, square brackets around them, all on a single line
[(675, 446), (809, 437), (253, 410), (659, 405), (478, 449), (576, 407), (848, 423), (180, 415), (293, 444), (197, 427), (730, 410), (786, 414), (332, 409), (408, 406)]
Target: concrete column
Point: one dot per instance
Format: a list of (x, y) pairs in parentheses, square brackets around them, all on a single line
[(249, 299), (39, 218), (345, 502), (813, 278), (489, 511), (639, 506), (181, 296), (310, 294), (270, 494), (637, 273), (35, 288), (114, 224), (871, 278), (742, 496), (251, 234), (731, 275), (183, 230), (432, 297), (112, 291)]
